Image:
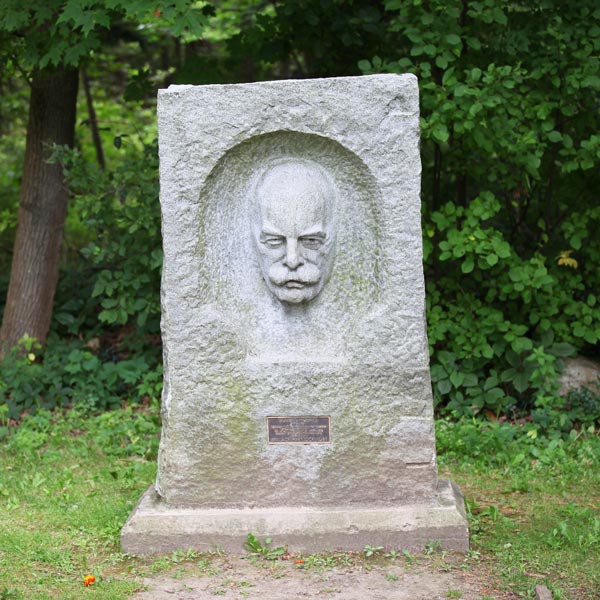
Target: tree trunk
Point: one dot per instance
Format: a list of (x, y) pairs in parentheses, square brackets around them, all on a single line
[(42, 209), (93, 120)]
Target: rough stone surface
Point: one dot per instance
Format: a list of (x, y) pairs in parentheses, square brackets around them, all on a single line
[(156, 528), (237, 351), (542, 593), (580, 372)]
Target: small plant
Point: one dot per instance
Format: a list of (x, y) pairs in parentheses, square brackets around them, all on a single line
[(391, 577), (257, 548), (454, 594), (393, 554), (372, 550), (320, 562), (204, 566), (432, 546)]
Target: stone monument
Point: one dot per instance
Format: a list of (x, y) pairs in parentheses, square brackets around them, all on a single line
[(297, 399)]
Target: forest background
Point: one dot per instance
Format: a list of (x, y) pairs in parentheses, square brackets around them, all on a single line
[(510, 122)]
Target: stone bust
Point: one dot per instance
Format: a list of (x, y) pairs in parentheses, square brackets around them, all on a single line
[(294, 228)]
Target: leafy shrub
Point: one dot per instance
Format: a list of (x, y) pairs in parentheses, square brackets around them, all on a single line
[(104, 345), (509, 96), (578, 409), (122, 432), (511, 445), (114, 219), (498, 323), (69, 373)]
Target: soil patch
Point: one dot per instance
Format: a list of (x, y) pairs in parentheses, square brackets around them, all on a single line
[(237, 578)]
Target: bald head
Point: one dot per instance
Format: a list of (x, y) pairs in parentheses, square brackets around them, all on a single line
[(294, 229)]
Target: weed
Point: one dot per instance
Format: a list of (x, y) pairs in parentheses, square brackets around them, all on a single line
[(321, 562), (257, 548), (454, 594), (372, 550), (204, 566), (391, 577), (432, 546)]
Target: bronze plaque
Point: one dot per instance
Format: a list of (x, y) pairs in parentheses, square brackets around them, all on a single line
[(299, 430)]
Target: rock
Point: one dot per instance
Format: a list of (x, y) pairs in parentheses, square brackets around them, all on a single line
[(297, 402), (542, 593), (579, 372)]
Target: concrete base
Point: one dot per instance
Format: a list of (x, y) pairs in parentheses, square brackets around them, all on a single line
[(155, 528)]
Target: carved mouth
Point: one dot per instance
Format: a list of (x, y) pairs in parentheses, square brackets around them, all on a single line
[(294, 284)]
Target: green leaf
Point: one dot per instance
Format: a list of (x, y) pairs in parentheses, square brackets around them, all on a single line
[(440, 133), (457, 378), (470, 380), (562, 349), (441, 62), (467, 265), (521, 381), (487, 351), (476, 74), (555, 136), (444, 386), (453, 39), (365, 66)]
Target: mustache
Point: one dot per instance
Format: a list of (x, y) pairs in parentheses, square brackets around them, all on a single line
[(307, 274)]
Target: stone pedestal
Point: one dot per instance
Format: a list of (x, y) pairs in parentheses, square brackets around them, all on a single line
[(155, 528), (297, 401)]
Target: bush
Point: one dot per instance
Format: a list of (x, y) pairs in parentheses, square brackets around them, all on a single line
[(114, 222), (509, 96), (67, 373)]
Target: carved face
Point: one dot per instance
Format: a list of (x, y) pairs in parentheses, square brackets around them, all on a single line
[(294, 234)]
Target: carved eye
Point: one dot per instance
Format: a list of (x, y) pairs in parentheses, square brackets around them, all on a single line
[(313, 243), (273, 242)]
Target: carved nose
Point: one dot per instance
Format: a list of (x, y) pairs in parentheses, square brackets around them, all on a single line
[(292, 258)]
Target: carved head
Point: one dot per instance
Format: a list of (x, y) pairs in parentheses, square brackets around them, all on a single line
[(294, 229)]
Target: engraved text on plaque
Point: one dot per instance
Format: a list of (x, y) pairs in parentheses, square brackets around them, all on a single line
[(299, 430)]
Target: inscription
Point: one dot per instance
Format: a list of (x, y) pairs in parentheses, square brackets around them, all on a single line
[(299, 430)]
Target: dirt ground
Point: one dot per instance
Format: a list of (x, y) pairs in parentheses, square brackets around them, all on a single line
[(242, 578)]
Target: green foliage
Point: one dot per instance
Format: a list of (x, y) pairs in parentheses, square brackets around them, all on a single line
[(104, 348), (281, 39), (509, 97), (496, 318), (118, 433), (322, 562), (535, 515), (372, 550), (122, 256), (513, 446), (580, 409), (54, 33), (72, 479), (257, 548), (66, 492), (62, 374)]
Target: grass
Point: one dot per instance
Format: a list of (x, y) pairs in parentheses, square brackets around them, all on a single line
[(534, 507), (68, 482)]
